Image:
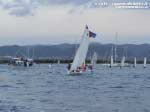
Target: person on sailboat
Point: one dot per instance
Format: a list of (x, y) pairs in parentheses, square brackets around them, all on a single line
[(83, 67), (69, 66), (25, 62), (90, 67)]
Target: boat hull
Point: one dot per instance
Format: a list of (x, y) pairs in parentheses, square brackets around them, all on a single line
[(74, 73), (80, 73)]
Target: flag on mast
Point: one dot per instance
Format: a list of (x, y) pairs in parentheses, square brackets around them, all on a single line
[(91, 34)]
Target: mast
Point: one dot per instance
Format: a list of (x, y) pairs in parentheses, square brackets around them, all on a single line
[(111, 57), (126, 52), (28, 52), (33, 53), (116, 47), (112, 51)]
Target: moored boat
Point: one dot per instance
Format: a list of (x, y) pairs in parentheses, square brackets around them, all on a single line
[(20, 61)]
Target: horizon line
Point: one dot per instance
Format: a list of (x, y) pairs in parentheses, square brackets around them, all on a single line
[(73, 44)]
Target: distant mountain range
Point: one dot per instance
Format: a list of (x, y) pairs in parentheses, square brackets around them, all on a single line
[(67, 51)]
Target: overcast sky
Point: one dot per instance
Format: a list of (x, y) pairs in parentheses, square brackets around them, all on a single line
[(26, 22)]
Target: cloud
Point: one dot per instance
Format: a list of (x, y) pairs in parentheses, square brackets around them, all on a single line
[(60, 2), (63, 21), (28, 7), (54, 25), (19, 7)]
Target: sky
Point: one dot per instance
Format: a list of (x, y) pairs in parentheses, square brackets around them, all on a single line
[(30, 22)]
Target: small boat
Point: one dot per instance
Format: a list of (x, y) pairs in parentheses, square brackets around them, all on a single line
[(145, 62), (134, 62), (113, 57), (20, 61), (75, 72), (78, 66), (123, 61), (58, 62), (94, 59), (123, 64), (112, 64)]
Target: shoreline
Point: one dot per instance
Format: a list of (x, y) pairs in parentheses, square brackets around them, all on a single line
[(66, 61)]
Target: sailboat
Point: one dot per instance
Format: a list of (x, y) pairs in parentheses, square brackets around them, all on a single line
[(113, 62), (123, 63), (58, 62), (78, 66), (21, 61), (145, 62), (134, 62), (94, 59), (113, 57)]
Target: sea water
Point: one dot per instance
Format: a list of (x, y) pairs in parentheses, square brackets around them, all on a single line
[(49, 89)]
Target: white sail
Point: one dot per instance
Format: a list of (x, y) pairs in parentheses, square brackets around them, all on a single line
[(135, 62), (58, 62), (111, 61), (94, 59), (81, 53), (116, 56), (123, 62), (145, 62)]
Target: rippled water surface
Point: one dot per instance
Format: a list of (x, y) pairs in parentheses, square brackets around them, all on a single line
[(41, 89)]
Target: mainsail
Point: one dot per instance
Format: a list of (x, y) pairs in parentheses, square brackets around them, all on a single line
[(81, 53), (123, 62), (94, 58), (145, 62), (135, 62), (111, 61)]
